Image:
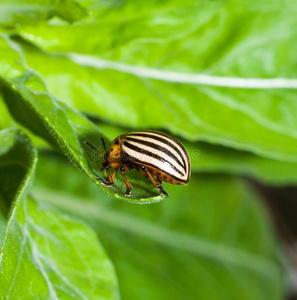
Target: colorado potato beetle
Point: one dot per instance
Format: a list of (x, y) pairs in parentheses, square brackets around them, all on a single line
[(155, 155)]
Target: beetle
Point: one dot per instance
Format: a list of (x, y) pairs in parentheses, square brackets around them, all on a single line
[(154, 154)]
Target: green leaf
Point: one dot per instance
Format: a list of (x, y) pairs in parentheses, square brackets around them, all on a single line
[(6, 120), (221, 115), (204, 245), (30, 104), (45, 254), (15, 13), (218, 159), (49, 255), (17, 164), (183, 67)]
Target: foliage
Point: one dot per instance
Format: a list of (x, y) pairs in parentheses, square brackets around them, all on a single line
[(44, 253), (217, 75)]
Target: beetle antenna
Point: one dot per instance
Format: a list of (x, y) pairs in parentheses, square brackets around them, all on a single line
[(91, 146), (103, 142)]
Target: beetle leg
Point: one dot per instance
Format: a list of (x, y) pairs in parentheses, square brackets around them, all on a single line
[(128, 185), (110, 177), (155, 182), (114, 174)]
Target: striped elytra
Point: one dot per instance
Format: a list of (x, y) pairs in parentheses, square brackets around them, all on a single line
[(154, 154)]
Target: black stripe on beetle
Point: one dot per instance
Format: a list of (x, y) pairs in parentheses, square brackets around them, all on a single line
[(151, 154), (157, 147), (159, 138)]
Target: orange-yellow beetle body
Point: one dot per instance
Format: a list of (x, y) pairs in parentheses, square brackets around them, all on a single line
[(155, 155)]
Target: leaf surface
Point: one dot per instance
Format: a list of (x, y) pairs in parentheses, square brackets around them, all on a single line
[(207, 247), (259, 120), (45, 254)]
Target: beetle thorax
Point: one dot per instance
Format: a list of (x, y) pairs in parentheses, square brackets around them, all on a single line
[(115, 149)]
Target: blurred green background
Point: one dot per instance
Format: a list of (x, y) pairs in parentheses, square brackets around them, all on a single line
[(220, 76)]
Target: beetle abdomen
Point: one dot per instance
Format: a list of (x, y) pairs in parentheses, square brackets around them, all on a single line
[(158, 151)]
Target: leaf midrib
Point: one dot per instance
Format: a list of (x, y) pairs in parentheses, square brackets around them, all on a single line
[(180, 77)]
